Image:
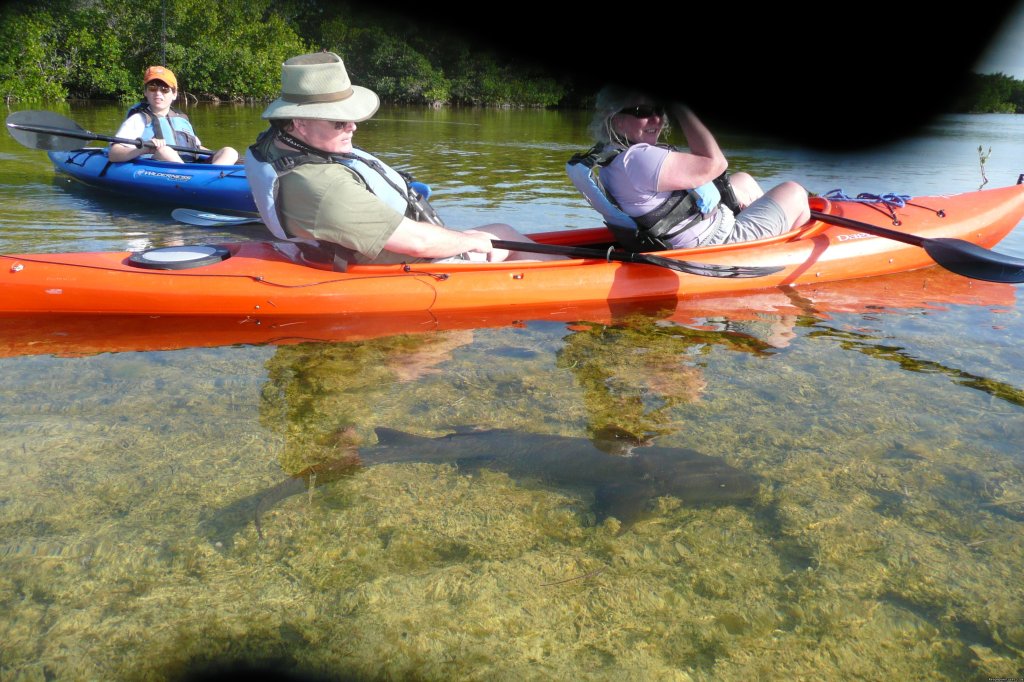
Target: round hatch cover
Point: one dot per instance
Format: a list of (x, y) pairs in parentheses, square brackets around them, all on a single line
[(179, 257)]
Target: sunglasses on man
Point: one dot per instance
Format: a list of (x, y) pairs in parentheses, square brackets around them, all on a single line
[(643, 111), (153, 87)]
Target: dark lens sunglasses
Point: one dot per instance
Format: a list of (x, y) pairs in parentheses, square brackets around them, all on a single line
[(643, 111), (153, 87)]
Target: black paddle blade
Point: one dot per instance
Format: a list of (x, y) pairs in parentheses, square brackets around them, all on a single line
[(47, 131), (971, 260)]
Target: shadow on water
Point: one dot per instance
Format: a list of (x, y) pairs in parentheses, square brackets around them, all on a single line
[(874, 347), (629, 397), (623, 479), (281, 668)]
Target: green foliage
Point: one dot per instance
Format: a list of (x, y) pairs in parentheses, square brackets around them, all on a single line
[(483, 81), (229, 50), (225, 49), (30, 67), (96, 51), (993, 94), (393, 69)]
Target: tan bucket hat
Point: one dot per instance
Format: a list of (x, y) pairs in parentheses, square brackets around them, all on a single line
[(317, 86)]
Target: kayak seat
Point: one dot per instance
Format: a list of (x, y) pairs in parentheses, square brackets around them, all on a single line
[(626, 238), (583, 171), (317, 255)]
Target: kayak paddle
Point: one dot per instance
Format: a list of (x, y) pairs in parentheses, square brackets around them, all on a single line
[(204, 219), (689, 267), (956, 255), (52, 132)]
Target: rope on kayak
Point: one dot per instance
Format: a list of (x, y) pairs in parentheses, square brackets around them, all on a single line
[(41, 259), (890, 201)]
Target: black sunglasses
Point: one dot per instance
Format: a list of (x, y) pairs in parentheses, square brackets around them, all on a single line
[(643, 111), (153, 87)]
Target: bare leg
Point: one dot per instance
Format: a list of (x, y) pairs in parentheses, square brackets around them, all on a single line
[(792, 197), (226, 156), (165, 153), (746, 189)]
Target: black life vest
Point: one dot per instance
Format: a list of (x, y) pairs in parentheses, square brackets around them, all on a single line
[(656, 229)]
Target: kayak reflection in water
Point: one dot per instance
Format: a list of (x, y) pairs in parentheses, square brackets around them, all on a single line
[(324, 398), (631, 379), (636, 374)]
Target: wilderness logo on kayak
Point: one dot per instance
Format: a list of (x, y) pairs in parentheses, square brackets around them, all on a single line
[(173, 177)]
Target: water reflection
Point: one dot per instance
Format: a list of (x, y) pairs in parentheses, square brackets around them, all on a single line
[(634, 373), (875, 347), (323, 398)]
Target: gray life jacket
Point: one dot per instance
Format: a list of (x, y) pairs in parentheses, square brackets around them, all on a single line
[(175, 128), (391, 186)]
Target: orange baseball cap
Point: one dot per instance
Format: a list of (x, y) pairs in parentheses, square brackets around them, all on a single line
[(160, 73)]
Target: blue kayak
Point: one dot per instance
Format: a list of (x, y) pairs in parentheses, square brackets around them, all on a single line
[(192, 185)]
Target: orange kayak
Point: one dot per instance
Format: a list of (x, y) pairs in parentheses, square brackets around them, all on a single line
[(78, 335), (267, 281)]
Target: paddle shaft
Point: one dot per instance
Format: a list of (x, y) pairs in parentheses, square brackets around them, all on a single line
[(86, 135), (690, 267), (571, 251), (869, 228), (205, 219)]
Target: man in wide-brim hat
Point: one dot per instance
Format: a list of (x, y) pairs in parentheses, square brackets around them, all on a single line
[(331, 191)]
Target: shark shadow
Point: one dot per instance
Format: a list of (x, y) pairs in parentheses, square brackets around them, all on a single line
[(624, 485)]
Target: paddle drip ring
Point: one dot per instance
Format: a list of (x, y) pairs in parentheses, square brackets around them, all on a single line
[(179, 257)]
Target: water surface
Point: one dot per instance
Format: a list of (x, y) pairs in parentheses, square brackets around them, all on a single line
[(883, 419)]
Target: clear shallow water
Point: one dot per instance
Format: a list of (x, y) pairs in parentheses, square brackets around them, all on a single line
[(882, 420)]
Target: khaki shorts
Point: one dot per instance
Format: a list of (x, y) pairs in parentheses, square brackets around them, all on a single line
[(763, 218)]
